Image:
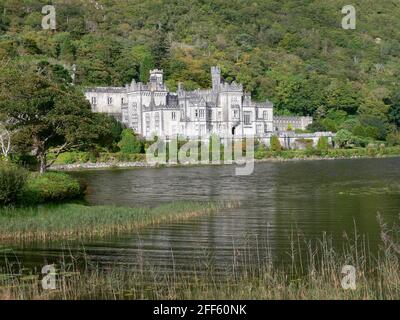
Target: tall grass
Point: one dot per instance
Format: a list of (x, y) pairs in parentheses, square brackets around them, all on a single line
[(64, 221), (314, 274)]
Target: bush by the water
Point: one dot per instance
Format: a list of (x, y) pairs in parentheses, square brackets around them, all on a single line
[(130, 143), (12, 182), (275, 144), (51, 187)]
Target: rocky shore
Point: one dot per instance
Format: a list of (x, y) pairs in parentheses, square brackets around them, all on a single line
[(143, 164)]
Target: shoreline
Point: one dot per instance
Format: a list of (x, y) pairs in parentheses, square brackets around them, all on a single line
[(141, 164)]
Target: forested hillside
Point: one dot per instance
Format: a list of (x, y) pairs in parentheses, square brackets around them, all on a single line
[(293, 52)]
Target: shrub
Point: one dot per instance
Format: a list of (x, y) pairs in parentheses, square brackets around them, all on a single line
[(275, 144), (51, 187), (322, 144), (393, 138), (130, 143), (72, 157), (12, 182), (343, 138)]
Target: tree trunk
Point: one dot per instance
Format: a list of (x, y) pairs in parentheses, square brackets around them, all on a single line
[(42, 162)]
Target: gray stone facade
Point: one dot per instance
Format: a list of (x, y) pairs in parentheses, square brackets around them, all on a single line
[(152, 110), (283, 123)]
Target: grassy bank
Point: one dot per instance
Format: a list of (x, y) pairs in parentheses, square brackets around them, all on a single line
[(65, 221), (328, 154), (19, 187), (315, 274)]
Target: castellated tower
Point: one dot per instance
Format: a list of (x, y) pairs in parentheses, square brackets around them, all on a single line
[(156, 79), (216, 78)]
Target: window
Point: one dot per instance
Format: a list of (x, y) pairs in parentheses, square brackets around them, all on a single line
[(147, 123), (157, 121), (259, 129), (173, 115), (109, 100), (201, 113), (196, 113), (94, 100), (247, 118), (122, 100), (265, 115), (209, 115), (235, 114)]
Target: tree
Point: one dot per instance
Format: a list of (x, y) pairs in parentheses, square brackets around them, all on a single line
[(160, 49), (130, 143), (275, 144), (343, 138), (394, 110), (5, 140), (50, 115), (146, 65)]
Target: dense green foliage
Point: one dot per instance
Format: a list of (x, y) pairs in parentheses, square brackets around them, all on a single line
[(18, 187), (372, 151), (12, 183), (51, 187), (130, 143), (45, 112), (293, 52)]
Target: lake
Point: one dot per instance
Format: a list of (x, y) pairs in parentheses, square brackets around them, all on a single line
[(279, 201)]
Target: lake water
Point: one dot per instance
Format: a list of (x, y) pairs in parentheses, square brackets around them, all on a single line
[(278, 200)]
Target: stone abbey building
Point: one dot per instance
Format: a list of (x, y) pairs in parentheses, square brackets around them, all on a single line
[(152, 110)]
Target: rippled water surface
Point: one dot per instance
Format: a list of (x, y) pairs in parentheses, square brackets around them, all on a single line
[(278, 200)]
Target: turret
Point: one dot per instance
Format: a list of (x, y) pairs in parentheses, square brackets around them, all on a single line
[(216, 78), (156, 79)]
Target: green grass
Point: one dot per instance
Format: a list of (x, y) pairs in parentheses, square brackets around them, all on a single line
[(50, 187), (77, 157), (66, 221)]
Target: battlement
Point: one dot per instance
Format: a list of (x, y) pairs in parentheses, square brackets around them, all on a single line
[(106, 89)]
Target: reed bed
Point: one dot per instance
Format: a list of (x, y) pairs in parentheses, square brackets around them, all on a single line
[(76, 221), (315, 273)]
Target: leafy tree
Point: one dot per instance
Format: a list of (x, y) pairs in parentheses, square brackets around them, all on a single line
[(341, 96), (343, 138), (394, 109), (160, 49), (146, 65), (111, 135), (130, 143), (50, 115)]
